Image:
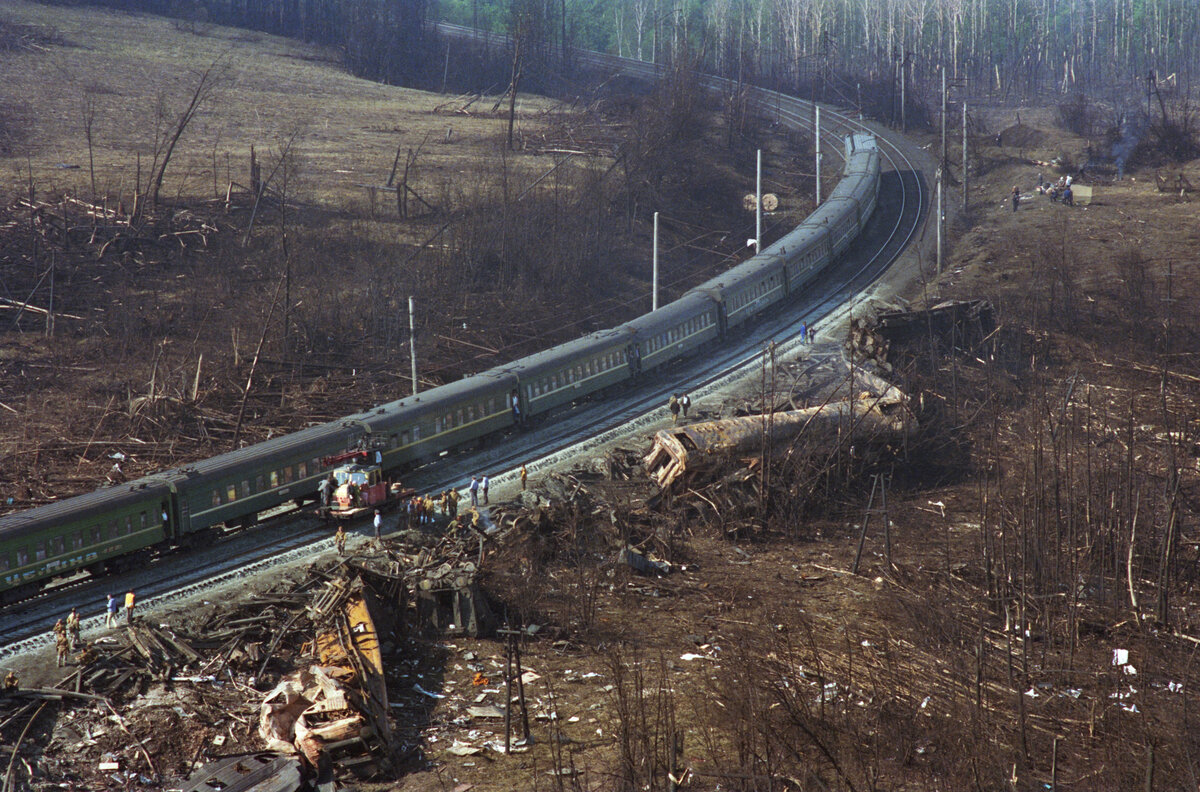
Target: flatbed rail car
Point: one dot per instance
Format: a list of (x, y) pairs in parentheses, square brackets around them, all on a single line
[(124, 524)]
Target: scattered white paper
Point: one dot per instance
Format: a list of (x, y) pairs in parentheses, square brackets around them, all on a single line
[(423, 691)]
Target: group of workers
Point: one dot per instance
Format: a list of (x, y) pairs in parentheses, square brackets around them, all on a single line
[(424, 509), (1057, 190), (67, 638)]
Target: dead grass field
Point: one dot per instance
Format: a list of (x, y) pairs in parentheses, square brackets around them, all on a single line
[(271, 88), (526, 248)]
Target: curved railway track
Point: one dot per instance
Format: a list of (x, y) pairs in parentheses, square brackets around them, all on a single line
[(903, 205)]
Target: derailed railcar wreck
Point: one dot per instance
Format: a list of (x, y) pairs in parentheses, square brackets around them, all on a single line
[(877, 414)]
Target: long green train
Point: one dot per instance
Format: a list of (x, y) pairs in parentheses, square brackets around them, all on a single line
[(122, 526)]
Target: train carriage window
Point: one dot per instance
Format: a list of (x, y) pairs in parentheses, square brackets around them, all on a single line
[(404, 438), (128, 526), (274, 474), (459, 422), (491, 404), (97, 535), (113, 530), (287, 475), (39, 551), (470, 412), (259, 481), (216, 499), (4, 563), (143, 521), (231, 493), (77, 540), (58, 545), (416, 433), (245, 488), (22, 556), (302, 470)]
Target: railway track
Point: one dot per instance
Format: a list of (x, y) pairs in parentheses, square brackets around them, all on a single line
[(573, 430)]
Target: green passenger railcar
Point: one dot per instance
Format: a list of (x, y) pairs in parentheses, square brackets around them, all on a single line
[(233, 488), (89, 532)]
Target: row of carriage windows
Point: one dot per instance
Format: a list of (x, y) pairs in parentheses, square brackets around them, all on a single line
[(461, 416), (76, 540), (762, 287), (685, 330), (602, 363), (577, 373), (236, 490)]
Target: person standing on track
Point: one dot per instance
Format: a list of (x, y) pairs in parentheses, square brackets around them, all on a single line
[(473, 488), (685, 402), (524, 477), (130, 602), (339, 539), (483, 487), (1016, 197), (110, 612), (673, 406), (378, 526)]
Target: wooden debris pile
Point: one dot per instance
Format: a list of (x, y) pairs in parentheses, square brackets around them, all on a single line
[(180, 694), (442, 579)]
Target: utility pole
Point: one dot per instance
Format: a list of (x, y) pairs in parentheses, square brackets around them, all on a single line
[(654, 276), (817, 138), (758, 205), (943, 162), (940, 217), (412, 341), (965, 178)]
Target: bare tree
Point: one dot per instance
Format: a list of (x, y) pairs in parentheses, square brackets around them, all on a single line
[(207, 82)]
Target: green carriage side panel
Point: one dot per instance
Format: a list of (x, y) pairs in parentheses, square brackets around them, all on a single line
[(81, 532), (676, 329), (573, 370), (242, 483), (422, 426)]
